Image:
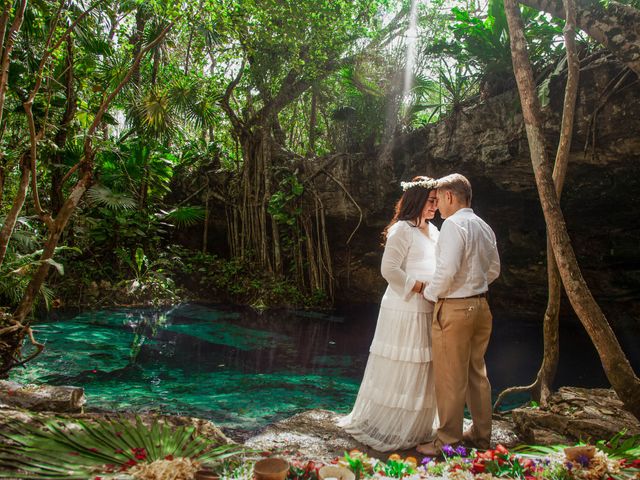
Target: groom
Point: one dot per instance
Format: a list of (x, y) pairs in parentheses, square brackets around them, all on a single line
[(466, 263)]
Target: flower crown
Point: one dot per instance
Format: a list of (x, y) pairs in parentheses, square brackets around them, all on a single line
[(428, 183)]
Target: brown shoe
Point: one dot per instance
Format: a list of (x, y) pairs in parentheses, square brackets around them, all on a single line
[(468, 438), (429, 449)]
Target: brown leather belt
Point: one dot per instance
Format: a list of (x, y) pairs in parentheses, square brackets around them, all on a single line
[(480, 295)]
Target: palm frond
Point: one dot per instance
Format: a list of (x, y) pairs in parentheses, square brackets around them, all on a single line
[(154, 113), (108, 198), (79, 449), (185, 216)]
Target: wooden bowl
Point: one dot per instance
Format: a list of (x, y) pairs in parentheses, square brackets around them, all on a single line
[(585, 451), (206, 474), (331, 471), (273, 468)]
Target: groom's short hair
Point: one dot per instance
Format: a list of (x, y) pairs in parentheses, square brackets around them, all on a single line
[(458, 185)]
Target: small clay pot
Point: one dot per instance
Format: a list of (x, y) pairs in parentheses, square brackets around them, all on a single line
[(331, 471), (585, 451), (272, 468), (206, 475)]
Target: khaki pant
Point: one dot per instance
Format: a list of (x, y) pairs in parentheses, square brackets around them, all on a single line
[(460, 335)]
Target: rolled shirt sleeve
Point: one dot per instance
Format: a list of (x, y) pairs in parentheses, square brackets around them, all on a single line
[(494, 267), (449, 254), (394, 260)]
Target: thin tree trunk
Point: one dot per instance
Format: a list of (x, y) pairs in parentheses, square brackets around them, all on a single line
[(8, 47), (69, 206), (615, 363), (12, 217), (3, 179), (313, 116), (551, 324), (61, 135), (205, 233), (137, 39)]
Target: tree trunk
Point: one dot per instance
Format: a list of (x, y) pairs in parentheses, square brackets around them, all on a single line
[(69, 206), (551, 324), (616, 26), (137, 40), (61, 135), (615, 363), (43, 398), (8, 46), (12, 217), (313, 116)]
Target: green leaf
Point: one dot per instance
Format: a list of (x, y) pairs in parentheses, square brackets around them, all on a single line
[(140, 258), (58, 266)]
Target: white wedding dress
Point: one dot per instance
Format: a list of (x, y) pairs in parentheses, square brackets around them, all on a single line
[(395, 408)]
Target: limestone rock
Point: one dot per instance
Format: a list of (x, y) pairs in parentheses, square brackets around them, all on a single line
[(42, 397), (576, 414), (314, 434)]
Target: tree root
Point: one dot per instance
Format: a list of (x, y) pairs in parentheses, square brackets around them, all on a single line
[(513, 390), (344, 189), (13, 347)]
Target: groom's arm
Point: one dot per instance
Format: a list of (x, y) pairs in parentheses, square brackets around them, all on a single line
[(449, 253)]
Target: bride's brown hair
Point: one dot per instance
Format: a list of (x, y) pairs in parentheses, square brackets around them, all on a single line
[(410, 205)]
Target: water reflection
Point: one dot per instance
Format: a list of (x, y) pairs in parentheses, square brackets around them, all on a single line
[(243, 369)]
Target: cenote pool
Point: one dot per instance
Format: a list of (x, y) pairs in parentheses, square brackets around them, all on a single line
[(243, 369)]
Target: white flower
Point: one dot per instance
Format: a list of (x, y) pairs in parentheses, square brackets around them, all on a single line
[(459, 475), (428, 183)]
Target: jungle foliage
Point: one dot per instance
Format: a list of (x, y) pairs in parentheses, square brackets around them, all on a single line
[(129, 128)]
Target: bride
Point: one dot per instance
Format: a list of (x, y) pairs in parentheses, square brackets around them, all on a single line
[(395, 408)]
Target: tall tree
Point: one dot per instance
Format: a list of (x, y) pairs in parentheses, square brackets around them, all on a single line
[(286, 47), (615, 363)]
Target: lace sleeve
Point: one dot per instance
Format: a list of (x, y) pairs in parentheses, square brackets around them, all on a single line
[(393, 265)]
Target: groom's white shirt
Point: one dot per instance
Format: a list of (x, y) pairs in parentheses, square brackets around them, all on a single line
[(467, 258)]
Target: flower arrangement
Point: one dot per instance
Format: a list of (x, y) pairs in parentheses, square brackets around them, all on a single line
[(426, 182), (540, 463)]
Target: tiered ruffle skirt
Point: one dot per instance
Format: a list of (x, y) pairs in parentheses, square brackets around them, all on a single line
[(395, 408)]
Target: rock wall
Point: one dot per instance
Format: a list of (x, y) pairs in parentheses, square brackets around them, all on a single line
[(487, 143)]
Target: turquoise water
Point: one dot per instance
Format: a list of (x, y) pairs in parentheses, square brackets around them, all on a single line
[(239, 369), (243, 369)]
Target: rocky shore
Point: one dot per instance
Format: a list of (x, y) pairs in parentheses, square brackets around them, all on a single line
[(573, 414)]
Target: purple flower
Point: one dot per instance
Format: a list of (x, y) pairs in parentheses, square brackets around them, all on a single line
[(448, 450), (583, 460), (426, 460), (460, 450), (568, 466)]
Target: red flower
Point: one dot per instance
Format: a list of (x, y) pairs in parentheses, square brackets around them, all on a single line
[(139, 453), (93, 449), (310, 466), (501, 449), (265, 454), (488, 455), (478, 467), (527, 463), (169, 457), (119, 451), (127, 465)]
